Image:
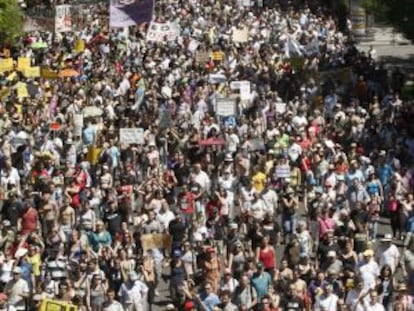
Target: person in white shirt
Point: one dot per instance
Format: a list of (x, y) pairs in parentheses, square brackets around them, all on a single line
[(17, 290), (4, 305), (328, 301), (165, 216), (133, 293), (387, 253), (369, 269), (111, 304), (201, 177), (372, 304)]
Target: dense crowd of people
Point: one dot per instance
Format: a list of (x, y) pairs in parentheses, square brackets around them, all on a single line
[(277, 206)]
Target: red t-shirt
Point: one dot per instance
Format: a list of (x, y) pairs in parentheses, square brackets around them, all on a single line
[(186, 202), (29, 221)]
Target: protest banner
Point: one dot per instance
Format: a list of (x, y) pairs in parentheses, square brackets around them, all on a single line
[(125, 13), (240, 35), (56, 305), (80, 45), (6, 64), (243, 87), (282, 171), (202, 57), (218, 56), (48, 73), (21, 89), (32, 72), (63, 18), (23, 63), (39, 18), (157, 240), (77, 124), (226, 107), (130, 136), (160, 32)]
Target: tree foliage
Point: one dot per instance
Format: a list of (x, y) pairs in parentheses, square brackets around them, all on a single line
[(399, 13), (11, 21)]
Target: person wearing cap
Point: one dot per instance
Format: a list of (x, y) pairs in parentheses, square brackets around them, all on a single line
[(17, 290), (133, 293), (369, 269), (387, 253)]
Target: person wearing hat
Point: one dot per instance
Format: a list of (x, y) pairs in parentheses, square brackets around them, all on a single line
[(17, 290), (387, 253), (133, 293), (369, 269)]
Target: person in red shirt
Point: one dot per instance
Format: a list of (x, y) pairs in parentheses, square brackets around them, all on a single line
[(30, 219), (186, 204)]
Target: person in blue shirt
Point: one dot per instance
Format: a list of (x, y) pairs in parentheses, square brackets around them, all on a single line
[(384, 170), (261, 281), (89, 134), (100, 238), (208, 298)]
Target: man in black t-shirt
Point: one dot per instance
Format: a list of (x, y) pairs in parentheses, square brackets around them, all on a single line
[(291, 301)]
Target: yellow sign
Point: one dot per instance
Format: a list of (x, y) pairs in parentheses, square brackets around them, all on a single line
[(218, 56), (6, 64), (23, 63), (22, 90), (80, 45), (48, 73), (32, 72), (56, 305)]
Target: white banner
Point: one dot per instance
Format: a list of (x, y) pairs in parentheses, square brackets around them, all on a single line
[(243, 87), (63, 18), (283, 171), (226, 107), (77, 124), (131, 136), (240, 35), (160, 32)]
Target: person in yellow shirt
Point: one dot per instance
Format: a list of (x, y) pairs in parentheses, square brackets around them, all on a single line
[(258, 179), (34, 258)]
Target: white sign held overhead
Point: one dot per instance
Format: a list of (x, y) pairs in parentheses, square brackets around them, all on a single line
[(63, 18), (77, 124), (131, 136), (240, 35), (226, 107), (282, 171), (160, 32)]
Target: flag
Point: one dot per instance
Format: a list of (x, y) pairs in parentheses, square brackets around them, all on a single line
[(292, 47), (124, 13)]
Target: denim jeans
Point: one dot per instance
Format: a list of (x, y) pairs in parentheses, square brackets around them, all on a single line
[(289, 223)]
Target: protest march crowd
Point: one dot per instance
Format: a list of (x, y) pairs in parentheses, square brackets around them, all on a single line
[(247, 155)]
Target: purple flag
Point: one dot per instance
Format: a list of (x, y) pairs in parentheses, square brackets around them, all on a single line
[(124, 13)]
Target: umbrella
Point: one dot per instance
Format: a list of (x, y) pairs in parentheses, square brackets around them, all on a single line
[(68, 73), (212, 141), (92, 111), (38, 45)]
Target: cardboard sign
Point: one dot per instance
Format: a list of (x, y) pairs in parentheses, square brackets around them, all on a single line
[(22, 90), (6, 64), (226, 107), (32, 72), (48, 73), (23, 63), (202, 57), (240, 35), (131, 136), (282, 171), (158, 240)]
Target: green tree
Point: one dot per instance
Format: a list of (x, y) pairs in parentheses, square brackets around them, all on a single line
[(11, 21), (399, 13)]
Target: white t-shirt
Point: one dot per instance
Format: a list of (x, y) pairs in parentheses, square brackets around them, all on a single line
[(328, 303), (376, 307)]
